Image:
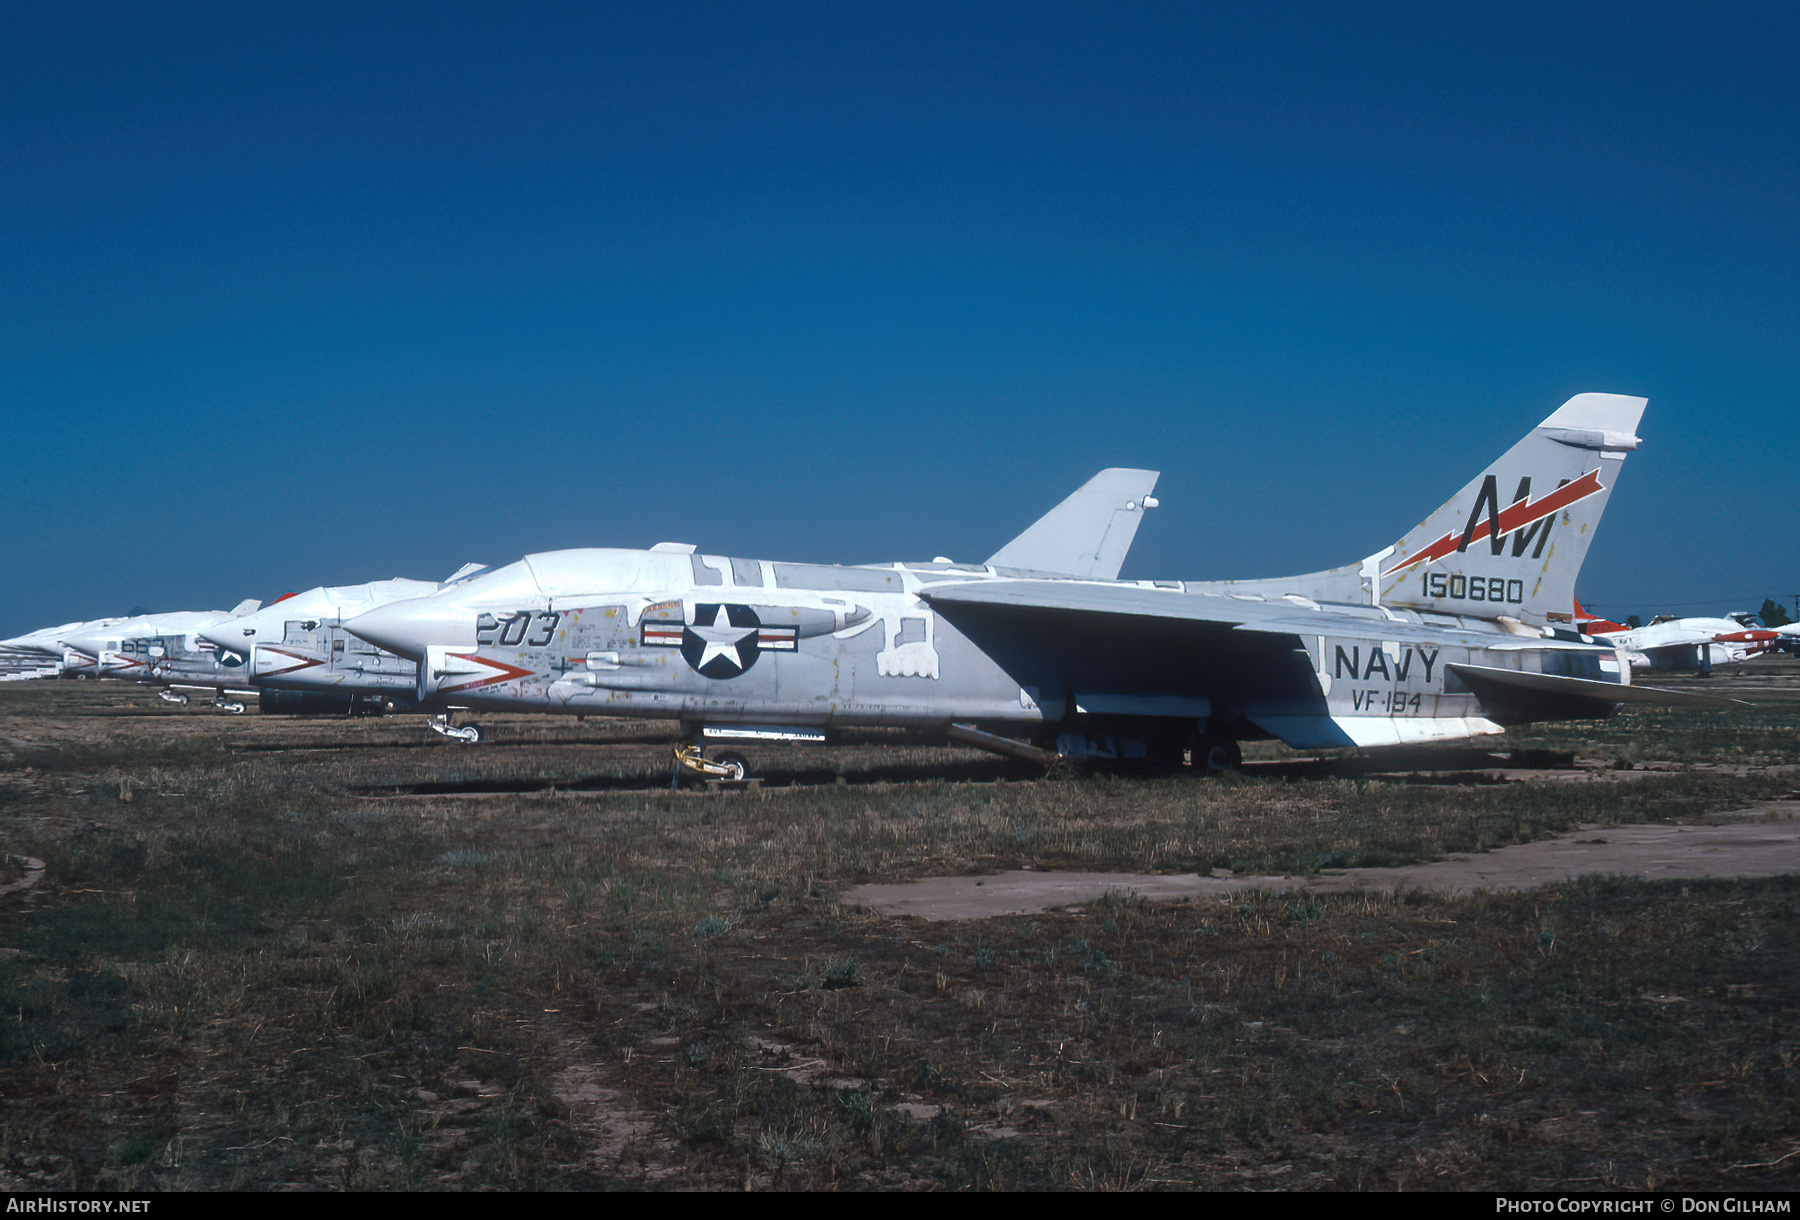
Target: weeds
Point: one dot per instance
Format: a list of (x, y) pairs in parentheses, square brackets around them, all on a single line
[(301, 973)]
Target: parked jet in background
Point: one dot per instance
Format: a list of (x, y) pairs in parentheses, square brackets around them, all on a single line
[(1788, 634), (38, 654), (183, 665), (1692, 645), (326, 605), (331, 663), (83, 648), (1460, 628), (297, 644)]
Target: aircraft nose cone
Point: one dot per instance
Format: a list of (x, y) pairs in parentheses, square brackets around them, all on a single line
[(230, 636), (408, 628), (89, 645)]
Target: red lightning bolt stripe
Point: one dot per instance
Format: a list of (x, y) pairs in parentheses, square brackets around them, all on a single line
[(1518, 516), (305, 662), (507, 674)]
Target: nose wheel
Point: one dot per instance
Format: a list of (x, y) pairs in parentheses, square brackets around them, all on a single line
[(727, 767), (468, 734)]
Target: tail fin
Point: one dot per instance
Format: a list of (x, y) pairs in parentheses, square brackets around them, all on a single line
[(1512, 541), (1088, 534), (1589, 623)]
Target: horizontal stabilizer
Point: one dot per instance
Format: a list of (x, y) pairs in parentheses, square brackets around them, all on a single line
[(248, 606), (1088, 534), (466, 571), (1321, 732), (1484, 680)]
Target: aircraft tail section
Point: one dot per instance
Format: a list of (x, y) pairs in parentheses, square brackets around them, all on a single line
[(1511, 542), (1088, 534), (1589, 623)]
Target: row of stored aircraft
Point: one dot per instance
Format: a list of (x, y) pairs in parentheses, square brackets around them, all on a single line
[(1694, 644), (1463, 626)]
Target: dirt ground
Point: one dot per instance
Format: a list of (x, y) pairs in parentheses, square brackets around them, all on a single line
[(1766, 843), (266, 953), (1763, 841)]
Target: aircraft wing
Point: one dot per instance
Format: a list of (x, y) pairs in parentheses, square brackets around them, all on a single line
[(1088, 534), (1135, 647), (1280, 617)]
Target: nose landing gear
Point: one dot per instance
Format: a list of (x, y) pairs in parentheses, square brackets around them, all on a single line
[(469, 734), (724, 768)]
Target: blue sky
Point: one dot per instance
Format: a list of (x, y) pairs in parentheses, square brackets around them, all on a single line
[(315, 294)]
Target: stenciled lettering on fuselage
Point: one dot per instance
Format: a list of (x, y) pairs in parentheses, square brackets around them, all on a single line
[(723, 641), (1349, 663), (1404, 665)]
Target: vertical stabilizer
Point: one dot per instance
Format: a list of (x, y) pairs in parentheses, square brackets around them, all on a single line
[(1512, 541), (1088, 534)]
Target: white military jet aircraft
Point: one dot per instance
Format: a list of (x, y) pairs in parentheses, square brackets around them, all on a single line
[(326, 605), (297, 644), (84, 648), (1459, 628), (183, 665), (1695, 644), (319, 666), (38, 654)]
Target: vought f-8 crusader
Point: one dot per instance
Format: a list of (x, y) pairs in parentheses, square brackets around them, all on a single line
[(1462, 627)]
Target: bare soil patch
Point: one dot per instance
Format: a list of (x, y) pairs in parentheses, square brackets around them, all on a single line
[(1768, 846)]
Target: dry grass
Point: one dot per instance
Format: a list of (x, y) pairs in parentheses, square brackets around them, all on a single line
[(277, 954)]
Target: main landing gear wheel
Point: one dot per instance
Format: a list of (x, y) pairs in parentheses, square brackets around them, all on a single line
[(1217, 756), (735, 766)]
